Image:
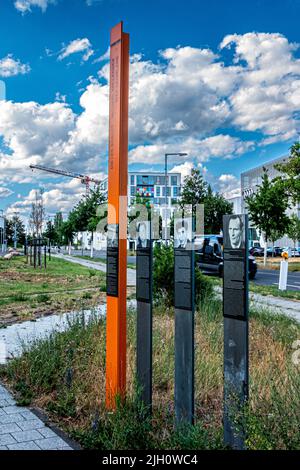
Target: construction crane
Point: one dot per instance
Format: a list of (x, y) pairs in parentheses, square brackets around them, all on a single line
[(83, 178)]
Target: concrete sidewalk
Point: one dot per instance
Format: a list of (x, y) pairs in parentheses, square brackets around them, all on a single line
[(288, 307), (20, 429), (131, 273)]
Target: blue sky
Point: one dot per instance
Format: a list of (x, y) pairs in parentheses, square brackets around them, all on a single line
[(218, 79)]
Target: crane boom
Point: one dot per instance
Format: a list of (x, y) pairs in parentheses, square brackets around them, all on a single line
[(84, 179)]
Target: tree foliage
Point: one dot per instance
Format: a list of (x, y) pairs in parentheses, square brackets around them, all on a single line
[(267, 208), (197, 191), (294, 229), (291, 174), (10, 230)]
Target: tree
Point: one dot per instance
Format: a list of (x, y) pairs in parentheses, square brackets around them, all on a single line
[(215, 206), (15, 221), (291, 172), (294, 229), (68, 230), (50, 232), (37, 215), (267, 209), (58, 224), (197, 191), (194, 190)]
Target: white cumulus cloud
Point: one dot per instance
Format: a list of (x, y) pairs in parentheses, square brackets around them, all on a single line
[(10, 67), (76, 46), (24, 6)]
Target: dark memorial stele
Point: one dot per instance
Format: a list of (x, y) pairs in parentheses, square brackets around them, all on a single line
[(112, 262), (236, 334), (183, 279), (235, 278), (144, 312), (143, 280)]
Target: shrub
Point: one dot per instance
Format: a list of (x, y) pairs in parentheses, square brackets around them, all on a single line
[(163, 278), (42, 298)]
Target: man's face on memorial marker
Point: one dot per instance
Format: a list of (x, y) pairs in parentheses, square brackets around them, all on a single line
[(182, 235), (235, 232), (142, 232)]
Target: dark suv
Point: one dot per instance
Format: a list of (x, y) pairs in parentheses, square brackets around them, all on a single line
[(209, 255)]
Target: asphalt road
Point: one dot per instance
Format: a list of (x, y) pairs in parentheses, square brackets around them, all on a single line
[(269, 277), (264, 277)]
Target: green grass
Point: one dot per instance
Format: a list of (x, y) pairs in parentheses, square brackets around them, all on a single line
[(272, 290), (263, 290), (65, 375), (18, 277), (294, 266), (25, 291)]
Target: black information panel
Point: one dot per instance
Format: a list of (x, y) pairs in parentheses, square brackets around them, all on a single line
[(184, 285), (235, 279), (144, 274), (112, 261)]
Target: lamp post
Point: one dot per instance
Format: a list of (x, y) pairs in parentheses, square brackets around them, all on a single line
[(177, 154)]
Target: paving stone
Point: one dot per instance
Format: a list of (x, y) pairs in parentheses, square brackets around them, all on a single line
[(47, 432), (24, 446), (52, 443), (6, 439), (26, 436), (15, 418), (28, 415), (14, 409), (7, 402), (9, 428), (28, 425), (4, 395)]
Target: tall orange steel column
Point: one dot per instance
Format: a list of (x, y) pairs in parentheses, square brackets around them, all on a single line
[(117, 212)]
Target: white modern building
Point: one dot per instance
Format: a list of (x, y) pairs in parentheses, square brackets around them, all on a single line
[(150, 185), (249, 181)]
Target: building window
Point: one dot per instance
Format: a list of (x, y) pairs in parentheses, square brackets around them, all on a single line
[(132, 191), (132, 178), (175, 191), (174, 180), (158, 191)]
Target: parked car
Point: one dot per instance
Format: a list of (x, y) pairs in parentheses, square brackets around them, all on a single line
[(295, 252), (274, 251), (209, 256), (256, 251)]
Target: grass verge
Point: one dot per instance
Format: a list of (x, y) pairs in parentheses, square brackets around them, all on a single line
[(65, 375), (263, 290), (26, 292)]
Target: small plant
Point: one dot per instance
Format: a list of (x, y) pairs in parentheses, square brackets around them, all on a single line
[(87, 295), (42, 298), (163, 278), (19, 298)]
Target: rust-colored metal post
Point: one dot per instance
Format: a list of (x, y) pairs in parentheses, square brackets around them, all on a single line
[(117, 213)]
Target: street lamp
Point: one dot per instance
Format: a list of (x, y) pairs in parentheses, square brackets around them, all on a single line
[(177, 154)]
